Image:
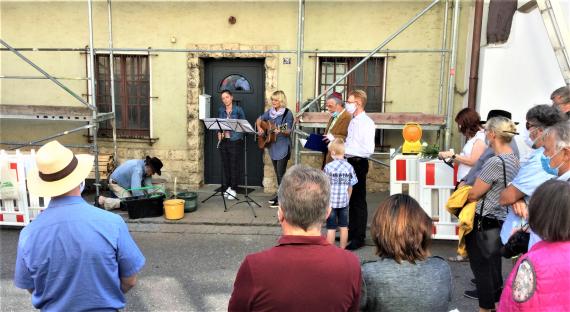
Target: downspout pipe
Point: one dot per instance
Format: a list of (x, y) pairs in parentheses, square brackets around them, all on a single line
[(475, 52), (451, 79)]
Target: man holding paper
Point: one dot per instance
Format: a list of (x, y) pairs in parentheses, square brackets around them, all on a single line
[(337, 127)]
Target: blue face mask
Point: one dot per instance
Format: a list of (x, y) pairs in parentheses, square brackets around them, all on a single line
[(545, 162)]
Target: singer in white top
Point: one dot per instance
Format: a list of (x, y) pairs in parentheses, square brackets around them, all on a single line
[(359, 147)]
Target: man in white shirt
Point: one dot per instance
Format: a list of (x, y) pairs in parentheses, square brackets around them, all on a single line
[(359, 147)]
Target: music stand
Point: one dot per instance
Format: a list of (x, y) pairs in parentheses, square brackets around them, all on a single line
[(218, 124), (243, 126)]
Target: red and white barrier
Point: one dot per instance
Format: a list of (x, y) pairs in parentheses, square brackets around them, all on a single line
[(430, 182), (22, 208)]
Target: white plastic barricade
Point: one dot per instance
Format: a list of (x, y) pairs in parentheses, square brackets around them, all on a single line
[(21, 208), (437, 182), (430, 182), (404, 170)]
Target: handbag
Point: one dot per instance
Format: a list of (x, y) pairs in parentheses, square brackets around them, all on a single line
[(517, 243), (489, 240)]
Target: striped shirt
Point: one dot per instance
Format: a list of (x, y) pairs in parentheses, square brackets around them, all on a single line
[(492, 174), (341, 176)]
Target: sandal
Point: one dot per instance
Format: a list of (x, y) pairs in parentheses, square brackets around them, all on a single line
[(458, 258)]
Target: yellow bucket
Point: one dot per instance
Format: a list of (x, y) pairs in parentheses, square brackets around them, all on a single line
[(174, 209)]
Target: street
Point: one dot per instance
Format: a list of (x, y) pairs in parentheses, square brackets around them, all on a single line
[(192, 267)]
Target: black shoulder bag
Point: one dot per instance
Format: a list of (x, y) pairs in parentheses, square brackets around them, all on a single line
[(489, 240)]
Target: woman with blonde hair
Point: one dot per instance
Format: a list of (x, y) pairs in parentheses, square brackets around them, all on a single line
[(484, 242), (280, 150)]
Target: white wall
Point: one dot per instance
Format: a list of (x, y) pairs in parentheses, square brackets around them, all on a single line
[(522, 72)]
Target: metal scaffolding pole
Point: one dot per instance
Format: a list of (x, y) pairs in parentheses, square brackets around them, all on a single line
[(94, 123), (299, 91), (112, 69), (451, 79), (52, 136), (170, 50), (383, 44), (48, 76), (442, 60), (40, 77)]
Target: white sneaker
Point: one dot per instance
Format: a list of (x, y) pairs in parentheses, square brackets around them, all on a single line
[(231, 194)]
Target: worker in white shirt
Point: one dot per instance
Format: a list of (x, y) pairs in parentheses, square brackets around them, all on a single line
[(359, 147)]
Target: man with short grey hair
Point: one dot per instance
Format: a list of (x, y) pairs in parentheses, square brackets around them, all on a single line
[(303, 272)]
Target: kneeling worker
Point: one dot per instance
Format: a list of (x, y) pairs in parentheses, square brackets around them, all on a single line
[(131, 175)]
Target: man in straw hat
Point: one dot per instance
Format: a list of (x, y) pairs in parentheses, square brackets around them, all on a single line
[(128, 179), (73, 256)]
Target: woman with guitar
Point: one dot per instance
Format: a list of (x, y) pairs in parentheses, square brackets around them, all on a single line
[(274, 129)]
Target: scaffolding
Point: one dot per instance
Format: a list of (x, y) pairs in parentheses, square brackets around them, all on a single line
[(384, 121)]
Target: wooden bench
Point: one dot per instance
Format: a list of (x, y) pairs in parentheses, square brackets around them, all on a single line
[(106, 167)]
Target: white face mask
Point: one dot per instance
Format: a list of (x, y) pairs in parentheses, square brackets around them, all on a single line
[(350, 107)]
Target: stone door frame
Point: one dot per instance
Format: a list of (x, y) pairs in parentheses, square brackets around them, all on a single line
[(195, 83)]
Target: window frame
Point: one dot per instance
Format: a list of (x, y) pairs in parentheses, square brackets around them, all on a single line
[(150, 93), (318, 73)]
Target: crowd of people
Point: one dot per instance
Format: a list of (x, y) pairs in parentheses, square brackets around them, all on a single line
[(517, 187)]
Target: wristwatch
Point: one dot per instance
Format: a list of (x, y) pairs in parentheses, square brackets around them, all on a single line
[(453, 156)]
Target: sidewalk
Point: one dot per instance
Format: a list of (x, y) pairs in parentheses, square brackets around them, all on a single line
[(212, 211)]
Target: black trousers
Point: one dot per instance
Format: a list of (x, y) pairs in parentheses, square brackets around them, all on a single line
[(358, 209), (232, 162), (487, 272), (280, 166)]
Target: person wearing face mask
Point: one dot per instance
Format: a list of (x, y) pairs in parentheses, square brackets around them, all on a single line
[(483, 250), (359, 147), (531, 175), (337, 127), (555, 161)]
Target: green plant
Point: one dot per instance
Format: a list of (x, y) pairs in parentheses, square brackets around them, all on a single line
[(430, 151)]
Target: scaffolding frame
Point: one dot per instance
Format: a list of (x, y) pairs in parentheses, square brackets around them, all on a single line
[(299, 51)]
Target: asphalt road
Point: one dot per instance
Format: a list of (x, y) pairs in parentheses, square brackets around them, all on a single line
[(192, 268)]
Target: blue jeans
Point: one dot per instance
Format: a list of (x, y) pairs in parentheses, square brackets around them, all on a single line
[(337, 218)]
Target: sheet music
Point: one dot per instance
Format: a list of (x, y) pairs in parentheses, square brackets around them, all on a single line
[(217, 124), (240, 125)]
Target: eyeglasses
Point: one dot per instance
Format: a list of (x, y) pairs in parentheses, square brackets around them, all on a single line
[(530, 125)]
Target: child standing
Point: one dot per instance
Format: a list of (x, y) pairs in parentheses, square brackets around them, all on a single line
[(342, 177)]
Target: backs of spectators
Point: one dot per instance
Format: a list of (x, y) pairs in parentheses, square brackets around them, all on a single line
[(303, 272), (405, 278), (484, 248), (539, 281)]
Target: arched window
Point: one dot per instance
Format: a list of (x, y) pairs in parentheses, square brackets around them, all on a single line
[(235, 83)]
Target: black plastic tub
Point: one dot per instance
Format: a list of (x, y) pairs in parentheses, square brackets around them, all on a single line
[(146, 206)]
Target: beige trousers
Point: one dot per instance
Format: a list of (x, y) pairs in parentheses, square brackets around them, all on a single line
[(115, 203)]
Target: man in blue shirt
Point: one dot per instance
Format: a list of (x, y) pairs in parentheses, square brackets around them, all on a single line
[(128, 178), (73, 257), (231, 146)]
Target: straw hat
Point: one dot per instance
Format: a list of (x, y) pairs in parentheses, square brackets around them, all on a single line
[(58, 170)]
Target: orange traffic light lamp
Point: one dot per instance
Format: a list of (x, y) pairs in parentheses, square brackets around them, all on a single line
[(412, 134)]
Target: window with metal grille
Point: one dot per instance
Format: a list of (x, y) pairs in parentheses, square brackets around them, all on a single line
[(368, 77), (132, 94)]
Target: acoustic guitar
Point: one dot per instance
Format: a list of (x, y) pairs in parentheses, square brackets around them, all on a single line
[(269, 136)]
